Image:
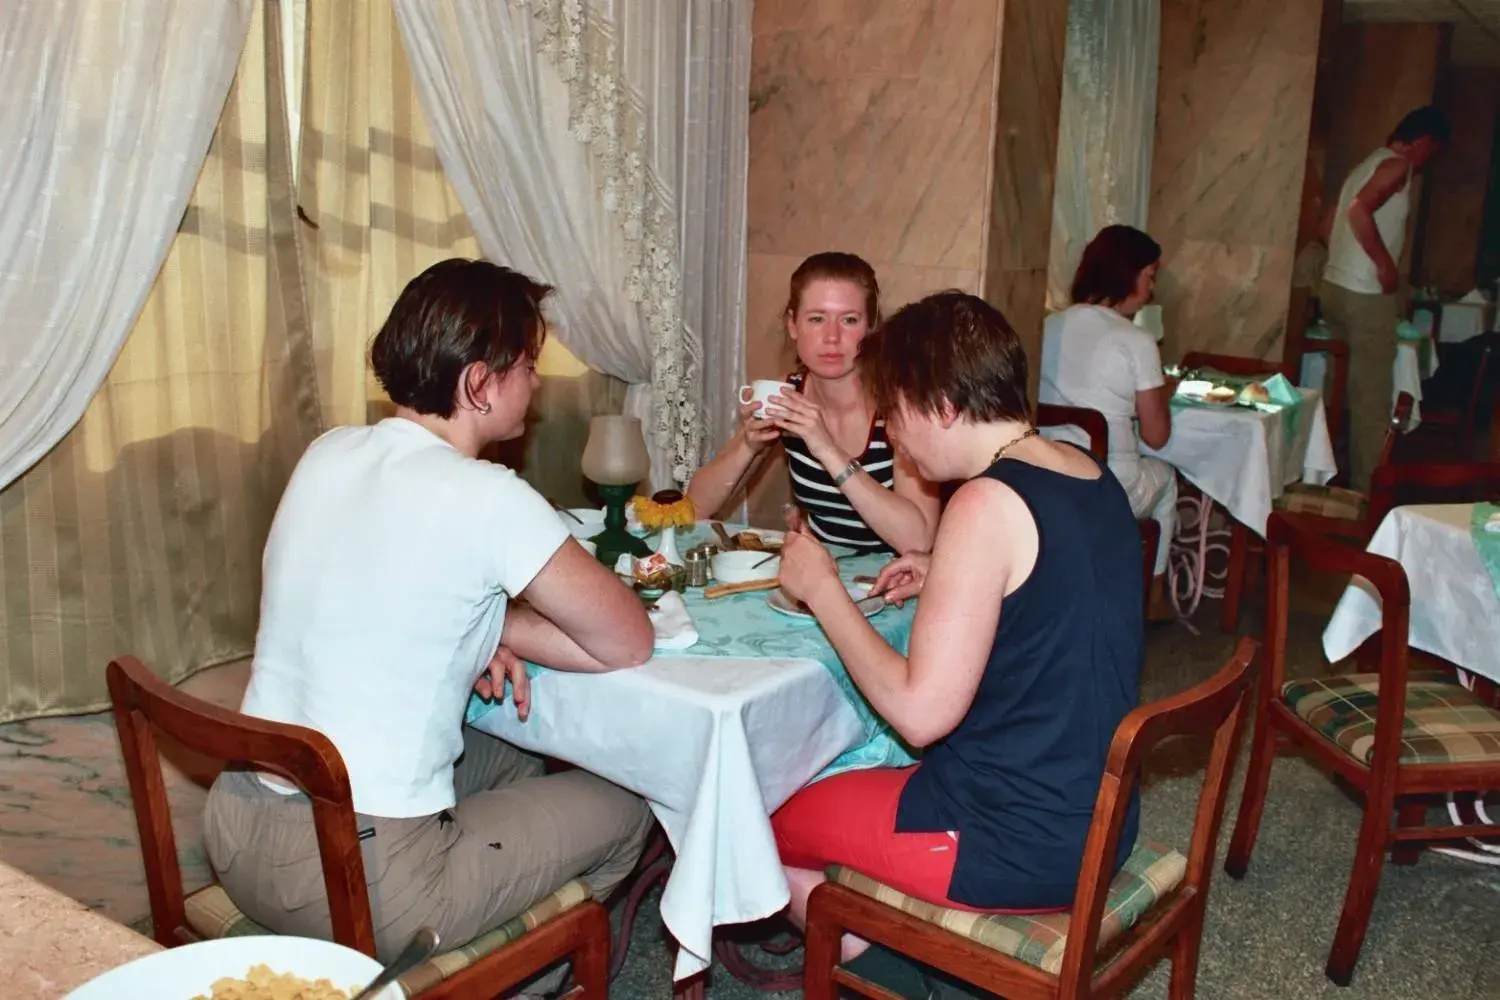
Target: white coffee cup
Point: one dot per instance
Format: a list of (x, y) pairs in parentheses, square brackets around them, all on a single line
[(761, 390)]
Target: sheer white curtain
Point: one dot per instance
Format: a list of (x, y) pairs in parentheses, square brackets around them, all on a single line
[(108, 113), (599, 145), (1106, 128)]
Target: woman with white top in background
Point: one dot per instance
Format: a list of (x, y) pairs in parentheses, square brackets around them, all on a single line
[(1094, 357)]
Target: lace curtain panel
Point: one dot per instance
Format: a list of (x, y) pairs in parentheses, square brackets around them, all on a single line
[(141, 531), (109, 109), (587, 106), (1106, 128)]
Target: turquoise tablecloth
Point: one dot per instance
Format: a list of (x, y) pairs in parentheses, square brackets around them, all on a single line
[(1488, 543), (744, 625)]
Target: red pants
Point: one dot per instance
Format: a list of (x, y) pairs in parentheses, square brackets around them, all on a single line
[(850, 820)]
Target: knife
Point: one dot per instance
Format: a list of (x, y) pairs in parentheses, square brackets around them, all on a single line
[(871, 605)]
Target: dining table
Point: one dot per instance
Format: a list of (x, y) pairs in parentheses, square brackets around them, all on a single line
[(715, 737), (1241, 457), (1455, 599), (1416, 360)]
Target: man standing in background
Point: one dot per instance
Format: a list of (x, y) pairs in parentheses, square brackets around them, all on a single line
[(1365, 234)]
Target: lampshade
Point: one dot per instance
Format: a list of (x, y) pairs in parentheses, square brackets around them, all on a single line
[(616, 452)]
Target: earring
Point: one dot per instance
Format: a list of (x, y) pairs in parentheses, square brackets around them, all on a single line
[(485, 409)]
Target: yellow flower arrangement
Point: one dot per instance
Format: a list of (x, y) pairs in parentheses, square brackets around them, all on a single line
[(664, 509)]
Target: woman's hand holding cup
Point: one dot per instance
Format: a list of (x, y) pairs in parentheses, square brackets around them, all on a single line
[(756, 415)]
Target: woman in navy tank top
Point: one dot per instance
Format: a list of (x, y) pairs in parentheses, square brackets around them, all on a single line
[(1025, 652)]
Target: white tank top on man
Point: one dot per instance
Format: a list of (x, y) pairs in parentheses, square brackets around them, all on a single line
[(1348, 265)]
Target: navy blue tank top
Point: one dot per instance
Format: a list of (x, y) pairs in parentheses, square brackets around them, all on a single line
[(1017, 779)]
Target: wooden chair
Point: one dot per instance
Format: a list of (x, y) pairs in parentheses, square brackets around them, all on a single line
[(1233, 364), (1299, 345), (1092, 423), (1429, 735), (565, 924), (1327, 510), (1431, 482), (1451, 430), (1153, 906)]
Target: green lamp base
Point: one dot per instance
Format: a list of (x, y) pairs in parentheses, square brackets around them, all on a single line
[(614, 539)]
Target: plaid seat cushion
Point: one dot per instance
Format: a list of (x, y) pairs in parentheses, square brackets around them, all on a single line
[(1444, 724), (1325, 501), (1150, 872), (212, 914)]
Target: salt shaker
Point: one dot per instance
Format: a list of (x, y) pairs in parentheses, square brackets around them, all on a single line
[(696, 562)]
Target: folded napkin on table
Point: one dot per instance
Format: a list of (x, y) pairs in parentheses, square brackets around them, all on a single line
[(1281, 390), (674, 626), (1407, 330)]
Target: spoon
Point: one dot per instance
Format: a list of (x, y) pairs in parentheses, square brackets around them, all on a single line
[(418, 950)]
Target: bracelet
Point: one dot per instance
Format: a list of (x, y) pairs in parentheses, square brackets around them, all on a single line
[(847, 471)]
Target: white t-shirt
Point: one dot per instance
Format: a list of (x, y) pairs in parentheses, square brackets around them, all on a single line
[(385, 581), (1093, 357)]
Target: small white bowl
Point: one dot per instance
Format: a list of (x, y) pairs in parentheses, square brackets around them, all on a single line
[(740, 566)]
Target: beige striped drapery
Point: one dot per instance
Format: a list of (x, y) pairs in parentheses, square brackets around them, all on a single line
[(378, 209), (141, 532)]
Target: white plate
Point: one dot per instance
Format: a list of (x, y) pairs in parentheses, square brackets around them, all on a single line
[(582, 522), (771, 538), (784, 604), (1194, 387), (191, 970)]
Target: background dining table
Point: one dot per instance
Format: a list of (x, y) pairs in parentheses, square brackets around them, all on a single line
[(715, 738), (1455, 610)]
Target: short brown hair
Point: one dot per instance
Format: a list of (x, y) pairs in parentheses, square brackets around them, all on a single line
[(836, 266), (456, 313), (952, 347), (1111, 263)]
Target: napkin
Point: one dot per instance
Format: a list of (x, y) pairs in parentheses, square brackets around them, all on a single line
[(674, 626), (1492, 524), (1281, 391), (1407, 330)]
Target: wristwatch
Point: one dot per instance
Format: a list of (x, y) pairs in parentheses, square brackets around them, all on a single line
[(847, 471)]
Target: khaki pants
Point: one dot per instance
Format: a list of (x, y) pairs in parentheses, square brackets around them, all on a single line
[(1367, 323), (515, 836)]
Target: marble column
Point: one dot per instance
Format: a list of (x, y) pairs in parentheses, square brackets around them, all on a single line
[(873, 130), (1234, 100)]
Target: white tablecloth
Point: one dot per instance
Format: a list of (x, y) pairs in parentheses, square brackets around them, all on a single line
[(1455, 613), (715, 746), (1244, 459), (1407, 374)]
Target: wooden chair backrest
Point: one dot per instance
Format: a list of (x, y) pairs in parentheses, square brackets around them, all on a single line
[(1435, 482), (143, 702), (1233, 364), (1286, 543), (1091, 422), (1216, 707)]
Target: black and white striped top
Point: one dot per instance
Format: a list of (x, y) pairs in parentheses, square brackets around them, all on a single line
[(829, 513)]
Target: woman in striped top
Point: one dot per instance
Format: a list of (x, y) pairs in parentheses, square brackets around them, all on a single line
[(848, 483)]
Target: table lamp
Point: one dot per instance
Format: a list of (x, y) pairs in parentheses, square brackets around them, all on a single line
[(615, 460)]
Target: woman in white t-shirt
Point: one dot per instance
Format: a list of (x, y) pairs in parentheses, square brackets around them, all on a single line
[(1093, 356), (390, 578)]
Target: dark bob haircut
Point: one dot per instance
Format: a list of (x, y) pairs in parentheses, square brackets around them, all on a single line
[(454, 314), (1429, 122), (1111, 262), (953, 347)]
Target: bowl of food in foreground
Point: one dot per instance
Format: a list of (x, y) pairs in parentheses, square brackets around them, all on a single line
[(242, 968), (741, 566)]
